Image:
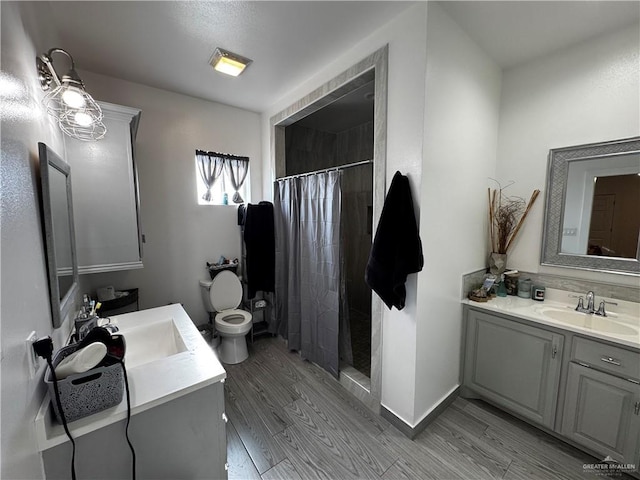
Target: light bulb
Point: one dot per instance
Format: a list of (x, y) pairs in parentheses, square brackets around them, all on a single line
[(83, 119), (73, 98), (230, 66)]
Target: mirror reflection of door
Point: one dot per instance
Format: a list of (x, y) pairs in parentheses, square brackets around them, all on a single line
[(615, 216)]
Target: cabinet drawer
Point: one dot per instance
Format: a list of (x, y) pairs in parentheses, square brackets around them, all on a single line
[(619, 361)]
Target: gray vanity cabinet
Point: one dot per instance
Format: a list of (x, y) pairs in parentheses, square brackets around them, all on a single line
[(513, 365), (602, 412), (105, 195)]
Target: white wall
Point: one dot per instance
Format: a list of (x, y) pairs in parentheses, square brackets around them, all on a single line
[(460, 141), (180, 234), (406, 36), (25, 290), (584, 94)]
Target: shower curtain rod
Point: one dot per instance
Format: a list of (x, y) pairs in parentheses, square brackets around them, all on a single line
[(338, 167)]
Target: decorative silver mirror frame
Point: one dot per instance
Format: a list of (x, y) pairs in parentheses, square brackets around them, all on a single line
[(60, 308), (557, 175)]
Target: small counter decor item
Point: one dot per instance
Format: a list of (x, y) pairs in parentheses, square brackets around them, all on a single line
[(537, 293), (511, 282), (506, 216), (524, 288), (483, 294)]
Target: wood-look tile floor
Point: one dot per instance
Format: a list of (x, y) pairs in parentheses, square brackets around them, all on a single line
[(291, 420)]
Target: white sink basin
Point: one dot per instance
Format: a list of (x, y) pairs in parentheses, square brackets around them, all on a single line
[(166, 358), (151, 342), (592, 322)]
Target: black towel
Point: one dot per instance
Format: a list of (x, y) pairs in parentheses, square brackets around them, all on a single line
[(241, 213), (260, 243), (396, 250)]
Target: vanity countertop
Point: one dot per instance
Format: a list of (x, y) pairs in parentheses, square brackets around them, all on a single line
[(621, 326), (153, 381)]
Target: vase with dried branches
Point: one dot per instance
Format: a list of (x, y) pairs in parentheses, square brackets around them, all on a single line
[(506, 216)]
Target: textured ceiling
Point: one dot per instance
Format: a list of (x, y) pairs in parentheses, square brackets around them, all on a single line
[(168, 44)]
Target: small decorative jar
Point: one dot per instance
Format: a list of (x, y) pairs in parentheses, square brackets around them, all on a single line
[(511, 282), (537, 293), (524, 288)]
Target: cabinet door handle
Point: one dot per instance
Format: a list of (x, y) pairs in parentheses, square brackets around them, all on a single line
[(554, 352), (636, 410), (611, 360), (225, 418)]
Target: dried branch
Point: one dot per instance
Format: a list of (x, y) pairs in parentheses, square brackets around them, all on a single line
[(532, 200), (491, 237), (506, 216)]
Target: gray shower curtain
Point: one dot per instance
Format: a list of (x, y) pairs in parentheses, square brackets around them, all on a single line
[(308, 266)]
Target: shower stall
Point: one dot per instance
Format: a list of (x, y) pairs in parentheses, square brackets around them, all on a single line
[(357, 216), (341, 126), (325, 203)]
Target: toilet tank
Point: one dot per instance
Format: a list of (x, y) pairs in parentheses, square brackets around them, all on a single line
[(205, 285)]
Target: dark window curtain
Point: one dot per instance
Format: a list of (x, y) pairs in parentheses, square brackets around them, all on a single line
[(210, 166), (237, 169)]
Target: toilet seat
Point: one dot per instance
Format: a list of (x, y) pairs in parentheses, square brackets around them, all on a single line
[(233, 321), (225, 292), (223, 295)]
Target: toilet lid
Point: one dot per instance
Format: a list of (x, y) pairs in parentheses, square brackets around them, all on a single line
[(225, 292)]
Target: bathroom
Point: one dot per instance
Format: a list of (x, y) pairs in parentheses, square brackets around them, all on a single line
[(454, 118)]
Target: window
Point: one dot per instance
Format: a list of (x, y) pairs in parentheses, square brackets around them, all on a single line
[(220, 174)]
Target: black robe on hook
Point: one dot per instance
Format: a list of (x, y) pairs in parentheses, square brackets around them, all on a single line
[(397, 250), (260, 243)]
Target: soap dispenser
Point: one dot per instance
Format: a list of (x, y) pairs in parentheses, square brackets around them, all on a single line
[(502, 287)]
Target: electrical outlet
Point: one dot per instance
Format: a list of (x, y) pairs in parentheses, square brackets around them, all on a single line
[(33, 359)]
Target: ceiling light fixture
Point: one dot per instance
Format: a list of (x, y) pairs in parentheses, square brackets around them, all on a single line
[(228, 62), (77, 113)]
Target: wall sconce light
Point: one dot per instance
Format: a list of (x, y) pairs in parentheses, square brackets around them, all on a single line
[(77, 113), (229, 63)]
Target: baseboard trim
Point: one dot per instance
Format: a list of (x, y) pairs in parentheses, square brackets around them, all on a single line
[(412, 432)]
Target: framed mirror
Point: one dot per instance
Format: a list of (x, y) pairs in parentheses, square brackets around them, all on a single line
[(57, 205), (592, 209)]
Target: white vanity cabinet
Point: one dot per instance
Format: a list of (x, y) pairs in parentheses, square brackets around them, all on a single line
[(602, 402), (513, 365), (184, 438), (177, 424), (105, 194)]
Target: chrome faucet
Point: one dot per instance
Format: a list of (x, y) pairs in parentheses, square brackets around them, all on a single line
[(601, 310), (590, 298), (589, 308)]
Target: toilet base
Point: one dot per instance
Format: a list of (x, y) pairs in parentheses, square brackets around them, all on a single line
[(233, 350)]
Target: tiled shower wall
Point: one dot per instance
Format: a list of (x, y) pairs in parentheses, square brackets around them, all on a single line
[(357, 201), (308, 150)]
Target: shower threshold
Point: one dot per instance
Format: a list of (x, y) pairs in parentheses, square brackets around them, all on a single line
[(356, 383)]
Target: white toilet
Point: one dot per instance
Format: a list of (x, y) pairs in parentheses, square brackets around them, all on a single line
[(222, 296)]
